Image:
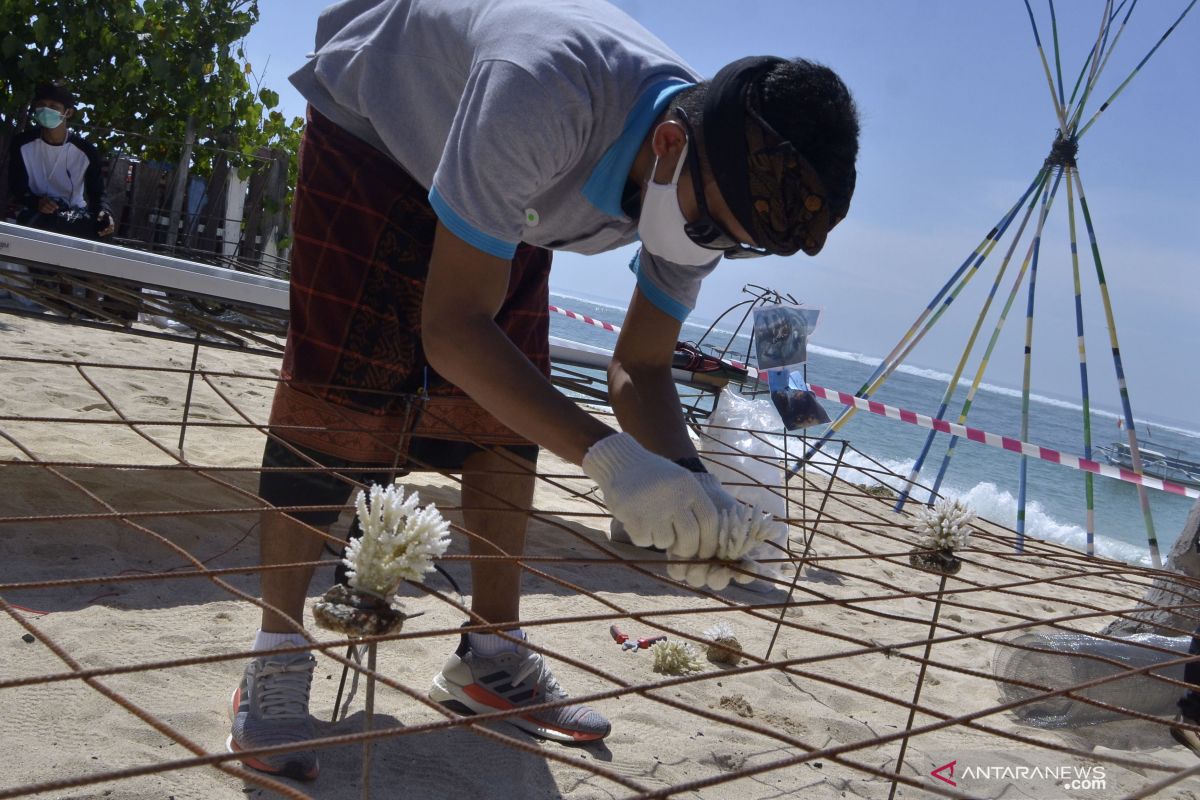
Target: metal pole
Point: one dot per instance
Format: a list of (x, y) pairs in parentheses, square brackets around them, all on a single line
[(810, 534), (787, 510), (337, 704), (368, 722), (187, 400), (912, 712)]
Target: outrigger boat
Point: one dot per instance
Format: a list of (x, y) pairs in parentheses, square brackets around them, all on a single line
[(1168, 463)]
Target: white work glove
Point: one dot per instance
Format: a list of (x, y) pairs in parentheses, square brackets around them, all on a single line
[(742, 528), (660, 503)]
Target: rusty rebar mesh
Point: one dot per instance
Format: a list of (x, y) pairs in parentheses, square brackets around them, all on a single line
[(114, 304), (108, 526)]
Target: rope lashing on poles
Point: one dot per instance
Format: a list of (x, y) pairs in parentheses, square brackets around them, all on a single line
[(1063, 151)]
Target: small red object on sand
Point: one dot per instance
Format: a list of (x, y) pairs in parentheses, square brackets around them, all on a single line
[(646, 642), (616, 634)]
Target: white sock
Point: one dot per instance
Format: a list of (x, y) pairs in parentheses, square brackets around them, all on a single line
[(490, 644), (273, 641)]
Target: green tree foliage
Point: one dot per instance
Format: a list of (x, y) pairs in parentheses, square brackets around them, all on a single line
[(141, 69)]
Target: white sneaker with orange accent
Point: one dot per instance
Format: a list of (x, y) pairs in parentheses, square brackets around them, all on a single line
[(473, 684)]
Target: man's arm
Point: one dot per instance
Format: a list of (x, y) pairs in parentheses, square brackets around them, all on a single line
[(643, 395), (640, 387), (463, 294), (660, 503)]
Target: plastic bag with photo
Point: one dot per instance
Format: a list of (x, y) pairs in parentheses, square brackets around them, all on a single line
[(749, 465), (797, 405), (781, 334)]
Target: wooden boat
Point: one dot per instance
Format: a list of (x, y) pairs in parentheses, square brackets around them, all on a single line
[(1168, 463)]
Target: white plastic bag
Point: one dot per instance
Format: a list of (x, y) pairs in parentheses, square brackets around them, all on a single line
[(738, 451), (1066, 659)]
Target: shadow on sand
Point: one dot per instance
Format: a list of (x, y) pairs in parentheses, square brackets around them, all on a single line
[(423, 767), (54, 550)]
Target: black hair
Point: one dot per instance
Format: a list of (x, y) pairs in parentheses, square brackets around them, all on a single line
[(58, 92), (809, 105)]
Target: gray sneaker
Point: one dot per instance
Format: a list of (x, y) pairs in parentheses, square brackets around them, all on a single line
[(270, 708), (474, 684)]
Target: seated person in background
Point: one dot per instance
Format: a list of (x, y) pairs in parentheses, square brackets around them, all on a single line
[(56, 182), (54, 174)]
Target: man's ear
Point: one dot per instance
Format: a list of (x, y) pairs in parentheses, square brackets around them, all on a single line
[(669, 138), (667, 142), (69, 112)]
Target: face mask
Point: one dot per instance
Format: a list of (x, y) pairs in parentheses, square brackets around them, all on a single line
[(47, 117), (661, 225)]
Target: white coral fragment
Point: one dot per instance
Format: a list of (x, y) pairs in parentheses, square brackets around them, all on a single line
[(725, 648), (675, 658), (945, 526), (721, 630), (744, 527), (399, 541)]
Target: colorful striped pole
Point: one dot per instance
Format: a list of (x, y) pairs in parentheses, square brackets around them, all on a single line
[(1093, 66), (993, 342), (1126, 405), (912, 337), (977, 381), (1085, 394), (953, 384), (893, 360), (1104, 50), (1062, 101), (1068, 113), (1026, 377), (1095, 54), (1104, 106), (1037, 40)]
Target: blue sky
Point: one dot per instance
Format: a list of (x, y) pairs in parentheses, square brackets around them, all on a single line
[(956, 119)]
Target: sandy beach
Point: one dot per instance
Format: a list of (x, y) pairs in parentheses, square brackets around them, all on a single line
[(823, 717)]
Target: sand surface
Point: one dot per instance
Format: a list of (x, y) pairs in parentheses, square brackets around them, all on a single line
[(662, 737)]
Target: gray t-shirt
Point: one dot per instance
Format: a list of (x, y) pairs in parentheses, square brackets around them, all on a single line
[(522, 117)]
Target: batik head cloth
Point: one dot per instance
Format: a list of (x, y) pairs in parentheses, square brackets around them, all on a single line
[(771, 189)]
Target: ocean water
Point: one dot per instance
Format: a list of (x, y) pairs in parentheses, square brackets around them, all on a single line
[(985, 477)]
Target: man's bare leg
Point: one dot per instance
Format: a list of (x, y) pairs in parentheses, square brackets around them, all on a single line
[(496, 499), (497, 491), (270, 705), (286, 541)]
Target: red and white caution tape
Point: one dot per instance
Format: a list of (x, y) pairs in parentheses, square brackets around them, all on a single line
[(608, 326), (1002, 442), (954, 429)]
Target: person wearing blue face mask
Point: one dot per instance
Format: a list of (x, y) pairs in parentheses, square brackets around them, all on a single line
[(55, 174), (451, 146)]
